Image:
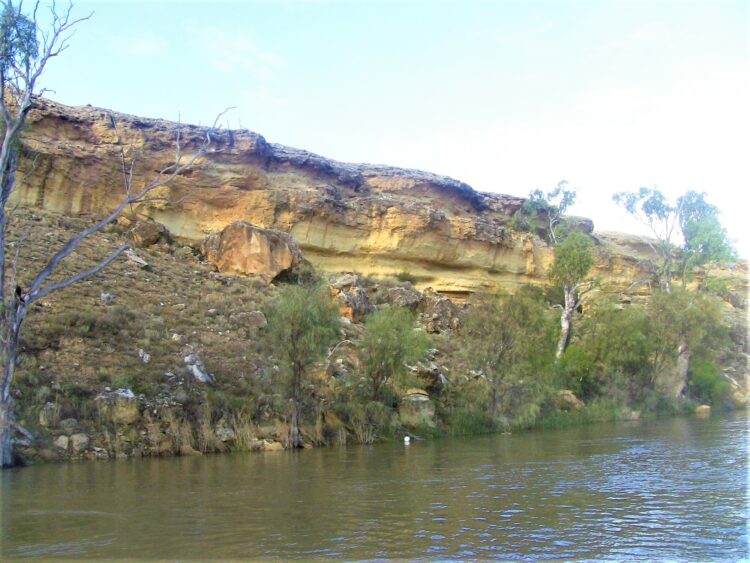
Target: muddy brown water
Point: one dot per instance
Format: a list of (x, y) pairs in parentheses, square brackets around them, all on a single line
[(658, 489)]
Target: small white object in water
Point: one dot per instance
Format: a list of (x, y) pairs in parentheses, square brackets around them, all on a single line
[(407, 439)]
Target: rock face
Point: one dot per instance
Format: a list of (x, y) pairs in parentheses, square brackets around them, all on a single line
[(343, 360), (376, 220), (242, 248), (372, 219)]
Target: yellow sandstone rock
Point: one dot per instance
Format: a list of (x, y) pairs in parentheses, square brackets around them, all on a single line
[(371, 219)]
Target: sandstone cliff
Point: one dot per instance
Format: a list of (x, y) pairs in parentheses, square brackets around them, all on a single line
[(373, 219)]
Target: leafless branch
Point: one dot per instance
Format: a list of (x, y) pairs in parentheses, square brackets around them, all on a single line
[(162, 199), (162, 178), (14, 266), (39, 294), (28, 438)]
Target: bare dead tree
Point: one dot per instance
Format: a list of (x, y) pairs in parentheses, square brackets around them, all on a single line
[(25, 50)]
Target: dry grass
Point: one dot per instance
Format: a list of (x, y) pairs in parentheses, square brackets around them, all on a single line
[(75, 345)]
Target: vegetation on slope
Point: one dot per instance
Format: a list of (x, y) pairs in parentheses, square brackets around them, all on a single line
[(106, 359)]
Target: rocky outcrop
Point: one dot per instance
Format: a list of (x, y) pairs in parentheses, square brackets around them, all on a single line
[(198, 370), (145, 234), (404, 297), (354, 303), (242, 248), (373, 219), (376, 220), (439, 314)]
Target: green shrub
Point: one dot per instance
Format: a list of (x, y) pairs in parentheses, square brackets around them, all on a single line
[(521, 223), (388, 345), (576, 371), (705, 382), (123, 381), (507, 343), (302, 325), (406, 277)]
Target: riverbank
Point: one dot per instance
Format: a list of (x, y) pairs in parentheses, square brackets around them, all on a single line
[(161, 355)]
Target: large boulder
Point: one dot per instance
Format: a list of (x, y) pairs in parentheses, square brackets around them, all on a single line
[(242, 248), (62, 442), (439, 314), (416, 409), (251, 319), (79, 442), (354, 303), (404, 297), (148, 233), (120, 406)]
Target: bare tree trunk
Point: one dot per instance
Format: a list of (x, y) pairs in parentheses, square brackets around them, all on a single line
[(11, 326), (6, 432), (22, 67), (295, 436), (566, 321), (493, 403), (672, 379), (295, 439)]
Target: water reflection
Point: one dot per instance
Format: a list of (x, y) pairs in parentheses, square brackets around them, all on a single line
[(654, 489)]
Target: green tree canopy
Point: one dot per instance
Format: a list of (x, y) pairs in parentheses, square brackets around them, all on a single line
[(688, 230), (390, 343), (551, 205), (302, 325), (18, 42), (573, 260), (508, 341)]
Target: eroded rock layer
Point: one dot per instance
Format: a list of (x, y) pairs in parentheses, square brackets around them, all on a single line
[(372, 219)]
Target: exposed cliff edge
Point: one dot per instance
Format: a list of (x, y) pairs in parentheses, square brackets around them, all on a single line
[(374, 219)]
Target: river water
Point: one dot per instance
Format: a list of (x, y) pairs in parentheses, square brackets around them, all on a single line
[(659, 489)]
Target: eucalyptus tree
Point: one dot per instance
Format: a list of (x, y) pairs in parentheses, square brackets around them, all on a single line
[(552, 206), (687, 233), (573, 260), (573, 252), (706, 242)]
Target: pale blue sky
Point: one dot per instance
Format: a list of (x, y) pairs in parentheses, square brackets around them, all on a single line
[(506, 96)]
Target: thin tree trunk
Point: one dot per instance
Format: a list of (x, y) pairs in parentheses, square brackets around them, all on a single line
[(295, 436), (6, 433), (8, 354), (493, 403), (566, 321)]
